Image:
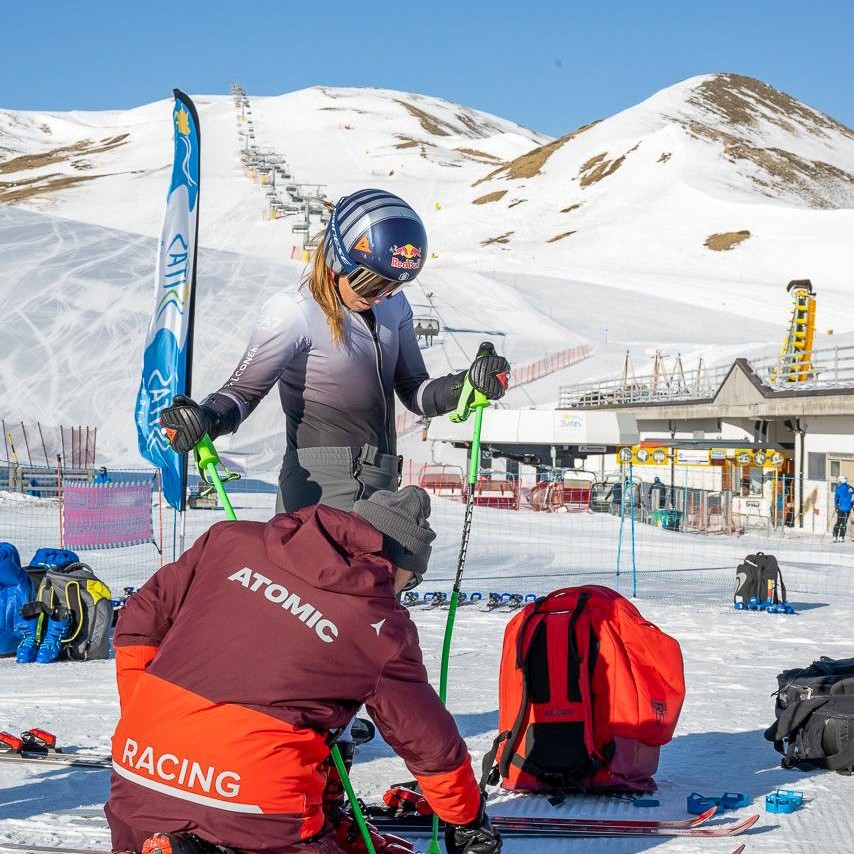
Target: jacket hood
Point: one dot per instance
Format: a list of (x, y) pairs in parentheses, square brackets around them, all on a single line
[(330, 549), (10, 565)]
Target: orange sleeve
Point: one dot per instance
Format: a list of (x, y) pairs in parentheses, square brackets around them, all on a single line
[(454, 796), (131, 662)]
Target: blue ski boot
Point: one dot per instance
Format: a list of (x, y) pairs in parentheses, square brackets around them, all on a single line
[(58, 624), (28, 647), (27, 626)]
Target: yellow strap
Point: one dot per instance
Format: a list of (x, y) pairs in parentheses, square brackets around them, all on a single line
[(44, 587), (79, 611)]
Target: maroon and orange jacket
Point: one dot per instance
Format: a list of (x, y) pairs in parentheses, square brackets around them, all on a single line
[(236, 661)]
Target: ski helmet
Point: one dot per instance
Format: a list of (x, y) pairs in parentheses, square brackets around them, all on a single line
[(376, 232)]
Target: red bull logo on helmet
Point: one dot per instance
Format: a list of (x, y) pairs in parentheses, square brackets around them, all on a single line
[(406, 257)]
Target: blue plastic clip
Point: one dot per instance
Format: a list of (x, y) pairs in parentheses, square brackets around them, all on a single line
[(783, 801), (734, 800), (754, 604), (740, 606), (781, 608), (698, 803)]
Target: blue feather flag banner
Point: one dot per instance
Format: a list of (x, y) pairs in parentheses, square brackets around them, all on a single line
[(167, 363)]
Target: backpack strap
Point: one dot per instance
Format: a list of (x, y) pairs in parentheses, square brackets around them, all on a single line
[(512, 735), (574, 663), (489, 772), (77, 611)]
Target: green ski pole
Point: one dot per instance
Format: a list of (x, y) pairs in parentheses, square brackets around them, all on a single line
[(207, 459), (470, 400)]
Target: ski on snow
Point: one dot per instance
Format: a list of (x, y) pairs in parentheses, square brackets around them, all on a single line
[(528, 826), (39, 745), (22, 848)]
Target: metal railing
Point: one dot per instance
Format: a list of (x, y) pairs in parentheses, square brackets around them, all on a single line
[(828, 368)]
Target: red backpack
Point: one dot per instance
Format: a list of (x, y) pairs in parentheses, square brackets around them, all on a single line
[(588, 692)]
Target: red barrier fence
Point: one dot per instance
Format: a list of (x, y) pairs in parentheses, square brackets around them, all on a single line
[(519, 376)]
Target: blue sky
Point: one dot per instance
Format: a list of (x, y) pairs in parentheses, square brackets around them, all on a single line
[(548, 65)]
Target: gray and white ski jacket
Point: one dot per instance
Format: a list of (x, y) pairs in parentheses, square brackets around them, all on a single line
[(336, 396)]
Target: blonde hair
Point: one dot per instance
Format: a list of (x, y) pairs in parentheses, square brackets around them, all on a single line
[(320, 282)]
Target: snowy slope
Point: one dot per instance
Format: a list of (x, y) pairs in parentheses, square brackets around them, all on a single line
[(632, 200), (111, 168)]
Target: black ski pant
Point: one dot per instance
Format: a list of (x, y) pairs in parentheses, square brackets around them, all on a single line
[(841, 524)]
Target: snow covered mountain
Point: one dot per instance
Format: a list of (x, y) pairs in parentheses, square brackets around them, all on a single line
[(719, 180), (674, 224)]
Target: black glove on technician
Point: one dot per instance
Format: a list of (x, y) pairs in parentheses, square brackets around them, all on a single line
[(477, 837), (185, 421)]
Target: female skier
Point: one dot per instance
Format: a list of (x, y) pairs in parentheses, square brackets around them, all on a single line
[(339, 347)]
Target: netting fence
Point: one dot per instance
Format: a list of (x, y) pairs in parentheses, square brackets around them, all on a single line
[(529, 535)]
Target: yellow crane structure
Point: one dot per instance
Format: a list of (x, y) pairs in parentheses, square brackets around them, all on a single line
[(795, 362)]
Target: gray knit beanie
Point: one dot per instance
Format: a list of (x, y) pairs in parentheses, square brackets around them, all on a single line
[(402, 518)]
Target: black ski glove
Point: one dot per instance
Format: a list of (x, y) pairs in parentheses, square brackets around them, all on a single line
[(185, 421), (477, 837), (490, 375)]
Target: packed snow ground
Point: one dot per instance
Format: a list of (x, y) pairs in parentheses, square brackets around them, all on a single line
[(731, 662)]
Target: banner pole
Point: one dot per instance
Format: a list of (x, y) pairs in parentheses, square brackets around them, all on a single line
[(59, 497), (160, 504)]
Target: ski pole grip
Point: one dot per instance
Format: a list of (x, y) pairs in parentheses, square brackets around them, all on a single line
[(470, 397), (206, 454)]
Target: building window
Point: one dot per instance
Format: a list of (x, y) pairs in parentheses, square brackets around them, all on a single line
[(752, 480), (817, 466), (834, 469)]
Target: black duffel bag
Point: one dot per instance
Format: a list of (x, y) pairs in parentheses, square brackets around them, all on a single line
[(817, 733), (822, 678)]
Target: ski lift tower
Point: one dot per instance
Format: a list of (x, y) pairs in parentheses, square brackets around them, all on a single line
[(795, 362)]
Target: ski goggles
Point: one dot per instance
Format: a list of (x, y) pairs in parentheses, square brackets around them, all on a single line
[(370, 285)]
